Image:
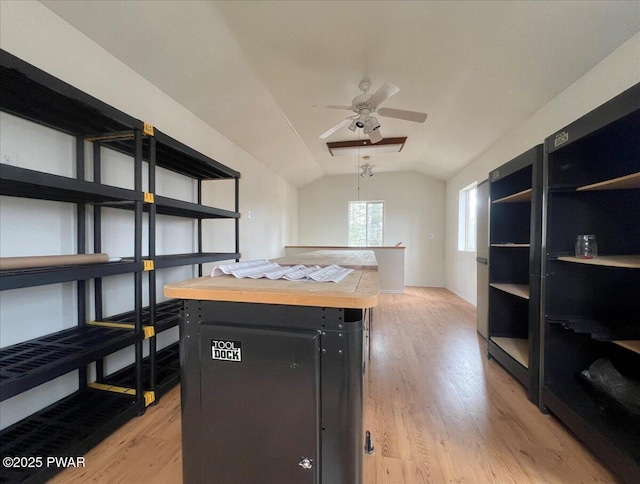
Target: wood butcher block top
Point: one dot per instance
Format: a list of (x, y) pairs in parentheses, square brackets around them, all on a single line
[(359, 290), (353, 259)]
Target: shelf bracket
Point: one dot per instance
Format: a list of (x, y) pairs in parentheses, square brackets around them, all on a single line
[(148, 197), (149, 331), (147, 129), (149, 397), (112, 388), (110, 136), (148, 265)]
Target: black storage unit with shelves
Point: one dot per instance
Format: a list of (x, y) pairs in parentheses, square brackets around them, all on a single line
[(161, 150), (514, 267), (76, 423), (591, 308)]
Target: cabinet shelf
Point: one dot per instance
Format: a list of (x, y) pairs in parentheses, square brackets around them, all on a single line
[(519, 290), (167, 315), (19, 278), (32, 94), (620, 183), (598, 329), (608, 433), (509, 245), (179, 208), (627, 261), (633, 345), (31, 363), (175, 260), (517, 348), (523, 196), (171, 154), (70, 427), (25, 183)]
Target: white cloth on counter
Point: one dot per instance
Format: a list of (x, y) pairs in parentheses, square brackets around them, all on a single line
[(256, 269)]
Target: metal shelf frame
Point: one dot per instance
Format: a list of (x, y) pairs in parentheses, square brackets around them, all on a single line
[(34, 95), (26, 365)]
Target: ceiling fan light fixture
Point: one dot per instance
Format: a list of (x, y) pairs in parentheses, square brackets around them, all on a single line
[(361, 120), (371, 125), (367, 171), (375, 136)]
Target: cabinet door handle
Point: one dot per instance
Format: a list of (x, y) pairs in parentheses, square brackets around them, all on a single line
[(368, 443)]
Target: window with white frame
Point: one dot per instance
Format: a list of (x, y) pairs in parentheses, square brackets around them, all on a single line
[(366, 224), (467, 218)]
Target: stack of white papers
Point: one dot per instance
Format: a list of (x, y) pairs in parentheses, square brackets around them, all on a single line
[(256, 269)]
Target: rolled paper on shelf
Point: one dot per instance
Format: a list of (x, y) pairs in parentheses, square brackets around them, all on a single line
[(13, 263)]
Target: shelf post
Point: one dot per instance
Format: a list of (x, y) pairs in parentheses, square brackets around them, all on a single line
[(97, 247), (237, 220), (199, 226), (138, 259), (152, 256), (81, 227)]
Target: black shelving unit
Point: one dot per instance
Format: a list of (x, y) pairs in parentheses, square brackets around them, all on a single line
[(166, 152), (77, 422), (591, 306), (26, 365), (69, 427), (74, 424), (514, 267)]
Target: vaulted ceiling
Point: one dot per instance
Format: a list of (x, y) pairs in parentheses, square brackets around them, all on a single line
[(254, 69)]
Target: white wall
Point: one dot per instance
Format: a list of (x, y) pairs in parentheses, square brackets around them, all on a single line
[(414, 208), (32, 32), (616, 73)]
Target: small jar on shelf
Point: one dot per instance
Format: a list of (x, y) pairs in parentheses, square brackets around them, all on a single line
[(586, 247)]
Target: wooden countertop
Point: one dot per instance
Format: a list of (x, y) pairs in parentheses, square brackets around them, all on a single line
[(353, 259), (344, 247), (359, 290)]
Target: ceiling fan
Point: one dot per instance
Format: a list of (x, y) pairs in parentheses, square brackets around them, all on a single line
[(365, 105)]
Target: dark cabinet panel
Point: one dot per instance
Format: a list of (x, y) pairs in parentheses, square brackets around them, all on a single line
[(591, 318), (514, 267), (261, 395), (272, 393)]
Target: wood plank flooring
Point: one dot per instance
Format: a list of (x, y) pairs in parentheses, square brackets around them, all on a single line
[(439, 412)]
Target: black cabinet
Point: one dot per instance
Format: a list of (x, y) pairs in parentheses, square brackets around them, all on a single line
[(272, 393), (514, 267), (592, 305), (75, 423)]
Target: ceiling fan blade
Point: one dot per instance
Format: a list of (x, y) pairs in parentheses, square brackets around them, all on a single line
[(402, 114), (382, 94), (375, 136), (335, 128), (333, 106)]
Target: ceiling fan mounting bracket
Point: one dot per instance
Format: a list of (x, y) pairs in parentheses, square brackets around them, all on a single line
[(364, 86)]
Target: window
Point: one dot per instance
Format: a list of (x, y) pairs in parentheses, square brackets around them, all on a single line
[(467, 219), (366, 223)]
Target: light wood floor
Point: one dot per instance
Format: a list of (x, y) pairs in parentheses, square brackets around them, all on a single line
[(438, 410)]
